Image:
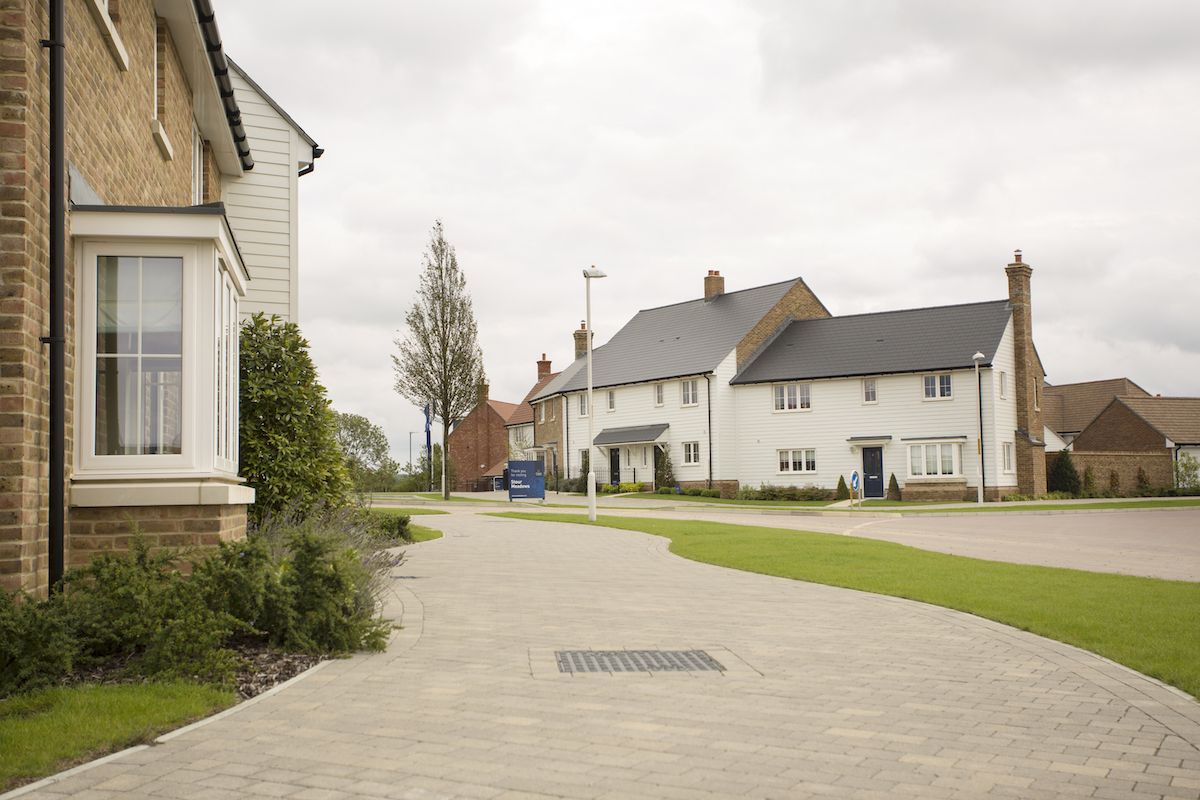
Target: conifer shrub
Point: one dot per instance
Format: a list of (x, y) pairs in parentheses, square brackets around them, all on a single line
[(893, 492), (1062, 475), (843, 491), (1114, 483), (1089, 482)]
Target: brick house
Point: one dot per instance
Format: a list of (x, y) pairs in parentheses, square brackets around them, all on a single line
[(764, 385), (522, 424), (479, 442), (155, 277), (1069, 407), (1135, 433)]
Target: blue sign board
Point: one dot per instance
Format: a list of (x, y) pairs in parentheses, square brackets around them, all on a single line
[(526, 479), (854, 481)]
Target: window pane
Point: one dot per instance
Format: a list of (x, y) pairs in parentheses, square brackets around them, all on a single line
[(931, 459), (869, 391), (117, 291), (791, 397), (785, 462), (931, 386), (944, 384), (797, 463), (779, 398), (612, 400), (947, 459), (139, 406), (805, 396), (915, 460), (810, 460), (658, 394), (162, 305)]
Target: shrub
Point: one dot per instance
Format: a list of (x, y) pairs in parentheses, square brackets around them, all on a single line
[(746, 493), (1062, 475), (632, 487), (693, 491), (1143, 482), (1187, 472), (1089, 482), (843, 491), (36, 645), (710, 493), (665, 490), (393, 526), (1114, 482), (664, 471), (289, 450), (813, 492), (893, 492)]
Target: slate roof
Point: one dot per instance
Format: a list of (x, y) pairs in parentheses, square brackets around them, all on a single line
[(524, 413), (689, 338), (1177, 418), (1071, 407), (914, 340), (635, 434)]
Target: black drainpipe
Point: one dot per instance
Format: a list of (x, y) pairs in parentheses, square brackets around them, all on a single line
[(57, 338), (708, 385)]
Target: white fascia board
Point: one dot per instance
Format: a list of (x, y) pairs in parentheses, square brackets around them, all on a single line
[(150, 225), (207, 107)]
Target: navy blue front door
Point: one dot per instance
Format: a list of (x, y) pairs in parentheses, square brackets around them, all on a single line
[(873, 472)]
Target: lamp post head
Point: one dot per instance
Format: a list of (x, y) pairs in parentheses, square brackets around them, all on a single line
[(594, 273), (977, 358)]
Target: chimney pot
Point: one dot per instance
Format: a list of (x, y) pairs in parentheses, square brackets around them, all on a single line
[(1016, 256), (714, 285)]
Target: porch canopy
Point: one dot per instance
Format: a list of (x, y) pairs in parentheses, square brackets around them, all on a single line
[(637, 434)]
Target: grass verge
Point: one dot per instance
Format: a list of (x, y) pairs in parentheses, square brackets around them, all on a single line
[(1146, 624), (1045, 505), (50, 730), (721, 501), (412, 512), (422, 534)]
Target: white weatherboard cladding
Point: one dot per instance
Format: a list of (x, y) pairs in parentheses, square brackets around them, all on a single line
[(634, 407), (1002, 420), (838, 413), (724, 420), (262, 206)]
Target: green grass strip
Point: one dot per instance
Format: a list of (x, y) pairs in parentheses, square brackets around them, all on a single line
[(1049, 505), (1147, 624), (420, 533), (412, 512), (721, 501), (50, 730)]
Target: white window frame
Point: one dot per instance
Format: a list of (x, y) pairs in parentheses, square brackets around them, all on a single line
[(788, 398), (86, 368), (1003, 385), (612, 400), (583, 404), (941, 385), (691, 453), (938, 450), (225, 377), (807, 460), (870, 391), (658, 395), (542, 411), (1010, 461), (689, 393)]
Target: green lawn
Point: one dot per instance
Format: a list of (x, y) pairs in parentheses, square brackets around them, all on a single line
[(420, 533), (1044, 505), (412, 512), (722, 501), (54, 729), (1147, 624)]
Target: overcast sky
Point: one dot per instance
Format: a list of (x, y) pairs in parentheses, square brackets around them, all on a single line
[(892, 154)]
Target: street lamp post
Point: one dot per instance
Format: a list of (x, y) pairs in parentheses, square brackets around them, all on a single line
[(978, 357), (588, 275)]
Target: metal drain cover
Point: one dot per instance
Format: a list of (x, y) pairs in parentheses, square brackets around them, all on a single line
[(636, 661)]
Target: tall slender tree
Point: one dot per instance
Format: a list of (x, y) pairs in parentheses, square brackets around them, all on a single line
[(439, 360)]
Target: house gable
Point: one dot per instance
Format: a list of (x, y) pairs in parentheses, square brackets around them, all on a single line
[(1118, 428), (798, 303)]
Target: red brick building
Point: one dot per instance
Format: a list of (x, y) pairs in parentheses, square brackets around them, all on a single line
[(1132, 433), (479, 442)]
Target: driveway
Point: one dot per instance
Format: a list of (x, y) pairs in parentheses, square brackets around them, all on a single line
[(826, 693)]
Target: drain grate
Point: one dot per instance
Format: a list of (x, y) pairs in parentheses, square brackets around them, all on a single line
[(636, 661)]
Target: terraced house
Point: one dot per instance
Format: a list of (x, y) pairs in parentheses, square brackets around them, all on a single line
[(177, 204), (765, 386)]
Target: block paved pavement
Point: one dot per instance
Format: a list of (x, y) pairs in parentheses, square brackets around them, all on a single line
[(828, 693)]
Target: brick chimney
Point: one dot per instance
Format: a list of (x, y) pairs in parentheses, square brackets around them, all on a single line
[(714, 284), (581, 341), (543, 368), (1028, 380), (483, 394)]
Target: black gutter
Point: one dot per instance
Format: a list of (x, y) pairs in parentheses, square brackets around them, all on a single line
[(58, 310), (220, 68), (317, 152)]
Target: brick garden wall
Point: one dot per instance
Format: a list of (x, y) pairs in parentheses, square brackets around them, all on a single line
[(1157, 466)]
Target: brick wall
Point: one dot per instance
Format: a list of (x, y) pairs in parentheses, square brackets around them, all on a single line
[(799, 303), (1028, 380), (95, 529), (1118, 429), (481, 438), (1157, 466), (109, 140), (551, 431)]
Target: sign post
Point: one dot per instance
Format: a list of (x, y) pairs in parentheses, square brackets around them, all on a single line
[(526, 479), (854, 491)]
